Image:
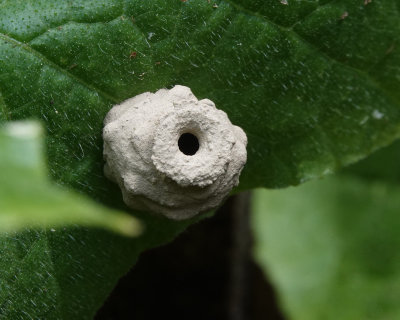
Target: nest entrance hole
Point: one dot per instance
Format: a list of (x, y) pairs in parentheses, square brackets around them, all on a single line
[(188, 144)]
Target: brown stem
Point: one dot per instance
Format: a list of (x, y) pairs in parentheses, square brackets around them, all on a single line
[(240, 256)]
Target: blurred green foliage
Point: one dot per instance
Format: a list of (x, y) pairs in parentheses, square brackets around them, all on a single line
[(332, 246), (29, 200)]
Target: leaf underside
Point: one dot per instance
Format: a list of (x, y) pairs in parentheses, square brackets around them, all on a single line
[(312, 83)]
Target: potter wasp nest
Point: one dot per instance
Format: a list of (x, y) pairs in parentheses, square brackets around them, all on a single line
[(171, 153)]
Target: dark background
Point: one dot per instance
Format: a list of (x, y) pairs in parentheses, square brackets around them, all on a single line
[(206, 273)]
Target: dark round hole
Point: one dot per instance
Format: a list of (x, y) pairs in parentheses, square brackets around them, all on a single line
[(188, 144)]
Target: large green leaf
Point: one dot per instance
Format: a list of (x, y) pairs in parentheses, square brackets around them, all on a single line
[(314, 89), (314, 85), (27, 199), (332, 248)]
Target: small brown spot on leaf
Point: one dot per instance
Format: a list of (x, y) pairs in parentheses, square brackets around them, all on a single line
[(133, 55), (366, 2), (390, 49), (344, 15)]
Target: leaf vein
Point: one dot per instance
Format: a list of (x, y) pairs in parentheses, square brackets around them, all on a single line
[(52, 64), (4, 108), (318, 7), (313, 47)]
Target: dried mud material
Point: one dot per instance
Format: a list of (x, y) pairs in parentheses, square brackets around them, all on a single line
[(171, 153)]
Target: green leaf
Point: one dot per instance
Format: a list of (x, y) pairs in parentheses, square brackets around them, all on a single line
[(331, 248), (314, 88), (380, 166), (313, 91), (28, 200)]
